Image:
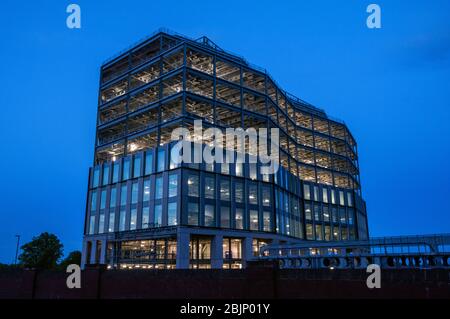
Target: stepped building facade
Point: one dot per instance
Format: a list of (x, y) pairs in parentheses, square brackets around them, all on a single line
[(145, 209)]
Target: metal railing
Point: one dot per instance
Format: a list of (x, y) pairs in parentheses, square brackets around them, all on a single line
[(419, 251)]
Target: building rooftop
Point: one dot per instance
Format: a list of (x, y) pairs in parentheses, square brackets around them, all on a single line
[(211, 45)]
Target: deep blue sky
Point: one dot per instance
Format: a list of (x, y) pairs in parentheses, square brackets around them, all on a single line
[(391, 86)]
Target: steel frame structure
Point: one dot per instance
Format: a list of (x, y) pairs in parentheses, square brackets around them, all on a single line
[(169, 80)]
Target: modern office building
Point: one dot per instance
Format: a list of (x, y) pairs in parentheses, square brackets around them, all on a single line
[(146, 210)]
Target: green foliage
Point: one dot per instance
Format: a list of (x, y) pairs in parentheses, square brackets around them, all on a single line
[(42, 252), (73, 258), (8, 267)]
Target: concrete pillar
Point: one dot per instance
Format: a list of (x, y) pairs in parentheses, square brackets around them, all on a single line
[(83, 254), (217, 252), (93, 252), (113, 254), (247, 250), (103, 252), (183, 238)]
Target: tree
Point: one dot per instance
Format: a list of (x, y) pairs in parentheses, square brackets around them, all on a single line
[(73, 258), (41, 252)]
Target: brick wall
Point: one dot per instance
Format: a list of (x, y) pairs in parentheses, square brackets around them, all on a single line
[(253, 282)]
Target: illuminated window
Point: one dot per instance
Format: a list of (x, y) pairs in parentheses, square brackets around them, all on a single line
[(193, 214), (173, 185), (210, 216), (112, 217), (239, 169), (253, 194), (334, 214), (351, 216), (105, 178), (126, 169), (225, 168), (252, 171), (93, 201), (267, 221), (146, 195), (239, 218), (193, 185), (333, 196), (225, 217), (309, 232), (316, 193), (306, 192), (326, 213), (145, 217), (161, 160), (209, 167), (137, 166), (95, 177), (257, 244), (254, 220), (327, 233), (175, 159), (134, 193), (325, 195), (148, 163), (316, 212), (308, 215), (158, 215), (133, 219), (344, 233), (335, 233), (266, 196), (349, 199), (159, 187), (239, 192), (115, 176), (172, 214), (341, 198), (103, 199), (319, 235), (92, 225), (232, 249), (225, 190), (342, 217), (122, 220), (123, 195), (210, 187)]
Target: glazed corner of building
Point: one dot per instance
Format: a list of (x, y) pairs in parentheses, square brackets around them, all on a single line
[(143, 211)]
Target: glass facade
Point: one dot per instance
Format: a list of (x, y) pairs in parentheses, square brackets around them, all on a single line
[(137, 186)]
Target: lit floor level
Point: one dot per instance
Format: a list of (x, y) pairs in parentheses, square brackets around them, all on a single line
[(178, 247)]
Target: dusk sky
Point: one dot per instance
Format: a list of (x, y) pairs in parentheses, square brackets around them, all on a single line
[(391, 86)]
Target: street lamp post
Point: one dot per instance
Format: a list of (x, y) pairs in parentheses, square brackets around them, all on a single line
[(17, 249)]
